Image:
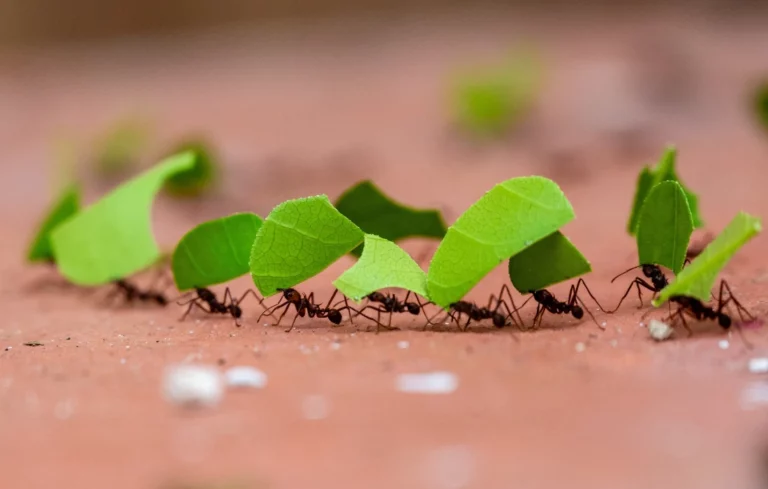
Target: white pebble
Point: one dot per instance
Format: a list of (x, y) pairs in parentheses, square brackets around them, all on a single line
[(193, 385), (403, 345), (758, 365), (315, 407), (659, 331), (603, 324), (428, 383), (723, 344), (246, 377), (580, 347)]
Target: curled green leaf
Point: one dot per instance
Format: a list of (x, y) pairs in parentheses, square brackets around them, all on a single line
[(375, 213), (507, 219), (198, 179), (649, 178), (113, 238), (697, 279), (549, 261), (215, 251), (67, 205), (383, 264), (665, 227), (299, 239)]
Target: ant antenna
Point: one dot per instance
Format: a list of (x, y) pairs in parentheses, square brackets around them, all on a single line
[(624, 272)]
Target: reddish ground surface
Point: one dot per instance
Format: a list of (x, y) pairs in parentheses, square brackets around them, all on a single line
[(312, 112)]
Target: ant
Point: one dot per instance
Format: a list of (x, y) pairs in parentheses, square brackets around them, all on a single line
[(390, 303), (305, 306), (207, 296), (698, 310), (477, 313), (548, 302), (652, 272), (132, 292)]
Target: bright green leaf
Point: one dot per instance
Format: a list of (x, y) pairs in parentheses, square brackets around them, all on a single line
[(383, 264), (198, 179), (698, 278), (67, 205), (375, 213), (665, 227), (507, 219), (215, 251), (549, 261), (299, 239), (649, 178), (113, 238)]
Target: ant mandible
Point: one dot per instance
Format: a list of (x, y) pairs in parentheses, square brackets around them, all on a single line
[(390, 304), (206, 296), (547, 302), (305, 305)]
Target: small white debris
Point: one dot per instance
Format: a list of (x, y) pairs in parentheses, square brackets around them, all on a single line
[(659, 331), (246, 377), (580, 347), (335, 345), (8, 348), (758, 365), (642, 325), (754, 395), (193, 385), (723, 344), (603, 324), (614, 343), (403, 345), (428, 383), (315, 407)]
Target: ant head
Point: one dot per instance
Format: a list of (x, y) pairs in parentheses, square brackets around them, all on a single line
[(724, 320), (577, 311), (160, 299), (291, 295), (334, 316), (377, 297), (499, 320), (413, 308), (650, 270), (541, 295), (235, 311)]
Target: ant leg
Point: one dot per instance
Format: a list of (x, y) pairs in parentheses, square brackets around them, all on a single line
[(582, 282), (292, 323), (270, 310), (724, 287), (254, 294), (286, 306), (469, 320), (192, 303), (538, 316), (515, 309)]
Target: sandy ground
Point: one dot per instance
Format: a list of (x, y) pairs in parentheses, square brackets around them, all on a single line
[(312, 112)]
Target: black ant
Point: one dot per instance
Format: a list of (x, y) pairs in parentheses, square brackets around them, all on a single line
[(652, 272), (134, 293), (207, 296), (547, 302), (696, 309), (477, 313), (391, 304), (305, 306)]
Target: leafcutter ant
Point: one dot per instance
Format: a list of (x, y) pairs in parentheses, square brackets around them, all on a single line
[(305, 306), (229, 305), (389, 303), (547, 302), (652, 272), (477, 313)]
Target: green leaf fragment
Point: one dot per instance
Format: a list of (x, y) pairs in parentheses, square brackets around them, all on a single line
[(383, 264), (215, 251), (375, 213), (549, 261), (67, 205), (649, 178), (507, 219), (299, 239), (113, 238), (697, 279), (665, 227), (761, 104), (198, 179)]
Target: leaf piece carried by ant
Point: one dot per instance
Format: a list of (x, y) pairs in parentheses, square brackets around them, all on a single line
[(510, 217), (383, 264), (67, 205), (113, 237), (488, 101), (299, 239), (650, 177), (215, 251), (375, 213), (697, 279), (665, 227), (549, 261)]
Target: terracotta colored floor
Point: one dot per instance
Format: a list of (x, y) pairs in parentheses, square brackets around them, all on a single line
[(306, 114)]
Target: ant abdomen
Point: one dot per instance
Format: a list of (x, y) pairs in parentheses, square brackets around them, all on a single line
[(577, 312), (499, 320), (413, 308), (724, 321)]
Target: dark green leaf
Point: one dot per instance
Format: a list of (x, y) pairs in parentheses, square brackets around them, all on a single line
[(198, 179), (549, 261), (67, 205), (665, 227)]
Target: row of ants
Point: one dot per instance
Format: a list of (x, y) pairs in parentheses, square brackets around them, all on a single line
[(500, 309)]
